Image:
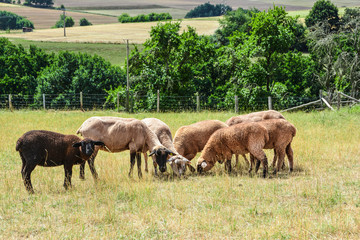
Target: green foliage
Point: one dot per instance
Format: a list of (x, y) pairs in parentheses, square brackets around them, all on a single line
[(323, 10), (208, 10), (11, 20), (39, 3), (69, 22), (125, 18), (84, 22), (350, 14)]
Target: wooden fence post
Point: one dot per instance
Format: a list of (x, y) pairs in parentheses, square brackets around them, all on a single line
[(158, 101), (236, 104), (197, 102), (117, 101), (127, 100), (81, 101), (44, 106), (10, 103), (270, 103)]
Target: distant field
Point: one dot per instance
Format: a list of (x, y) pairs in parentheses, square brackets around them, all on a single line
[(319, 200), (114, 53), (110, 33)]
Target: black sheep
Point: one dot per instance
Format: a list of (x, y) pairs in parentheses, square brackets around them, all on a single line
[(51, 149)]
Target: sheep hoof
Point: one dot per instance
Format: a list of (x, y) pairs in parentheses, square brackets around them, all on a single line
[(291, 170), (82, 177)]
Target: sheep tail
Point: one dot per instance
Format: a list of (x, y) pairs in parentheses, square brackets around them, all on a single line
[(79, 130), (19, 144)]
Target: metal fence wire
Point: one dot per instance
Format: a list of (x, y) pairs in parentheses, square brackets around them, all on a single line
[(155, 102)]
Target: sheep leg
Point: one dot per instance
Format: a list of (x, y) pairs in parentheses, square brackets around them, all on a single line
[(281, 154), (275, 158), (82, 171), (68, 175), (260, 155), (155, 165), (290, 155), (26, 176), (228, 166), (91, 165), (236, 161), (146, 162), (138, 159), (132, 162), (246, 160), (252, 162), (92, 168)]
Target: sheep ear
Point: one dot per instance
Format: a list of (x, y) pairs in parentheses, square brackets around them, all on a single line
[(99, 143), (170, 152), (76, 144), (152, 153)]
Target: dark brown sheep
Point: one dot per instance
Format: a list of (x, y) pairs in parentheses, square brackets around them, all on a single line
[(51, 149)]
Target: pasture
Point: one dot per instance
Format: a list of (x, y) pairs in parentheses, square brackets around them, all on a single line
[(319, 200)]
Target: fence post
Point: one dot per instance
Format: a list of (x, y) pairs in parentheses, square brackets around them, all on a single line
[(44, 101), (10, 103), (236, 104), (270, 102), (127, 100), (197, 102), (81, 100), (158, 101), (117, 101), (338, 101)]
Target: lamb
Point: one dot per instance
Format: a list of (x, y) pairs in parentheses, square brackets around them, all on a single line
[(178, 163), (237, 139), (255, 117), (50, 149), (281, 134), (120, 134), (191, 139)]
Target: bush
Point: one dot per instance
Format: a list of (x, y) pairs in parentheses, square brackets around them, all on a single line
[(11, 20), (208, 10), (69, 22), (125, 18), (84, 22)]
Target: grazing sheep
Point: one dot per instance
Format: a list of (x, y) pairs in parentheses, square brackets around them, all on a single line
[(237, 139), (281, 134), (50, 149), (255, 117), (120, 134), (191, 139), (178, 163)]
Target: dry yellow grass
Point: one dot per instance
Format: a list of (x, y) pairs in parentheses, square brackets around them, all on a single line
[(110, 33), (320, 200)]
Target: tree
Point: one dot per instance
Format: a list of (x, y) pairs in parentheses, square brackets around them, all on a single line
[(39, 3), (323, 10), (11, 20), (69, 22), (208, 10), (84, 22)]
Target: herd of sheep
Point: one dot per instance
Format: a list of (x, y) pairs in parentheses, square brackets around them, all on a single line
[(217, 141)]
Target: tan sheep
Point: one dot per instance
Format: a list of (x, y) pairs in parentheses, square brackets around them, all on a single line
[(178, 163), (191, 139), (255, 117), (120, 134), (237, 139)]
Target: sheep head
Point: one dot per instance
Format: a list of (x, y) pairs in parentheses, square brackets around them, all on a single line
[(178, 164), (161, 156), (204, 165), (87, 146)]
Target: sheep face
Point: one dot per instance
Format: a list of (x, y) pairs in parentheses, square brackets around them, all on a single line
[(88, 146), (178, 164), (161, 156), (203, 165)]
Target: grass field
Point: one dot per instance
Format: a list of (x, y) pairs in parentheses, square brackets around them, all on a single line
[(319, 200), (114, 53)]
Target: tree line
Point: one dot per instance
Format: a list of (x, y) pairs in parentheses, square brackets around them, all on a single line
[(252, 55)]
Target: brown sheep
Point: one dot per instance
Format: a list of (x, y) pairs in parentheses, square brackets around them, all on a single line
[(237, 139), (281, 134), (50, 149), (178, 163), (191, 139), (255, 117), (120, 134)]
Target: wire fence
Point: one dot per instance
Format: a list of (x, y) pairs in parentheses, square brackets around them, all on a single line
[(157, 102)]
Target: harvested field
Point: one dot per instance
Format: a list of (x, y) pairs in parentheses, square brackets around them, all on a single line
[(110, 33), (46, 18)]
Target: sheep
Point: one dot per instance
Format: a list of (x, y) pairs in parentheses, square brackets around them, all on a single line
[(237, 139), (178, 163), (50, 149), (120, 134), (255, 117), (281, 134), (191, 139)]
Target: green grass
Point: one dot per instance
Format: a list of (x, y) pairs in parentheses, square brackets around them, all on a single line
[(114, 53), (319, 200)]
